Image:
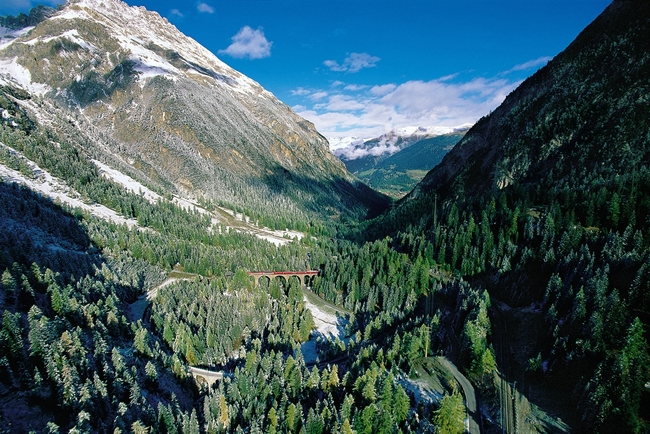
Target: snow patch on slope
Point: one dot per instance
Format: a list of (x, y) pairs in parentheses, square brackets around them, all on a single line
[(279, 238), (71, 35), (56, 190), (8, 36), (326, 323), (136, 29), (126, 181), (11, 70)]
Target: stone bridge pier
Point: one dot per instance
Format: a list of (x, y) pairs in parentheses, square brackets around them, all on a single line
[(304, 277)]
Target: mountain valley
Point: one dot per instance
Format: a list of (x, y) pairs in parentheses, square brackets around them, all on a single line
[(143, 180), (395, 162)]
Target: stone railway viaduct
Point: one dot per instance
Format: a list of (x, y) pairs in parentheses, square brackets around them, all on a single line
[(305, 277)]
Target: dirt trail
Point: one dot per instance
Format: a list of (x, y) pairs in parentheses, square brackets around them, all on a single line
[(138, 307), (238, 223)]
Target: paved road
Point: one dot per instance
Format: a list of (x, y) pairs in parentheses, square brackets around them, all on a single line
[(470, 395)]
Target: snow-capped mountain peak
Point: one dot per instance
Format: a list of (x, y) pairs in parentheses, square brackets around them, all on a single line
[(344, 142), (429, 131), (149, 95), (148, 39), (351, 148)]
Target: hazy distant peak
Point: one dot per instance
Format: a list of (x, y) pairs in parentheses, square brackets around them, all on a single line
[(351, 148), (429, 131)]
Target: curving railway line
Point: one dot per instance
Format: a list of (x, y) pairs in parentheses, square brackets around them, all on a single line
[(506, 391)]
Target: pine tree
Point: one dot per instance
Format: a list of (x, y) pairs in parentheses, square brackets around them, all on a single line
[(450, 417), (632, 368)]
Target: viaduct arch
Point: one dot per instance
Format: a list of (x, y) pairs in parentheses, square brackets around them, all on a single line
[(305, 277)]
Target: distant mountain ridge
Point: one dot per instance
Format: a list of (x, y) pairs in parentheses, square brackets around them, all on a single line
[(396, 161), (523, 258), (144, 97), (20, 21), (350, 148)]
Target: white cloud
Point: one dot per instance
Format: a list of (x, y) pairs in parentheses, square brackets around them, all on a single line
[(448, 77), (249, 43), (344, 103), (446, 101), (205, 8), (334, 66), (300, 91), (317, 96), (176, 13), (383, 89), (355, 87), (356, 150), (358, 61), (355, 62), (530, 64)]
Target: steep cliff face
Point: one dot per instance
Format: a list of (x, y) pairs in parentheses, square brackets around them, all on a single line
[(143, 94)]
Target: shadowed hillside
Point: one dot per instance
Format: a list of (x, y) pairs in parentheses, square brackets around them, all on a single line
[(544, 203)]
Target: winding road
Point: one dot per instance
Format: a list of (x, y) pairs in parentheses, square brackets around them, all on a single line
[(470, 396)]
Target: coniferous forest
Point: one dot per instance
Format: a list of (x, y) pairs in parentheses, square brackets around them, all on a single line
[(523, 259)]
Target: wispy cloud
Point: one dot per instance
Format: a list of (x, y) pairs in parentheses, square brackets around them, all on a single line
[(383, 89), (317, 96), (205, 8), (355, 62), (355, 87), (249, 43), (530, 64), (300, 91), (176, 13), (334, 65), (375, 110), (344, 103)]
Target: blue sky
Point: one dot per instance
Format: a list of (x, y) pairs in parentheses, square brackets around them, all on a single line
[(364, 67)]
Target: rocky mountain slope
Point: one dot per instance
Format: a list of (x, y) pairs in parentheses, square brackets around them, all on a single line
[(144, 98), (395, 162)]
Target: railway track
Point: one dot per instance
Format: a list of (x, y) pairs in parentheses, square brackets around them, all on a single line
[(506, 391)]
